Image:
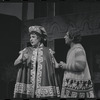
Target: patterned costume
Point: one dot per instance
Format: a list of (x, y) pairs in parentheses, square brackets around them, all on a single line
[(36, 77), (77, 80)]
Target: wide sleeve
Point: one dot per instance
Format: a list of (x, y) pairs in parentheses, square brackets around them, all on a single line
[(78, 60), (19, 59)]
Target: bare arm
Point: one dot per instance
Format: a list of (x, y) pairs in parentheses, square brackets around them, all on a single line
[(56, 64), (54, 60)]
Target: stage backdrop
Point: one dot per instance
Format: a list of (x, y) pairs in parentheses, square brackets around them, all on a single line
[(56, 26)]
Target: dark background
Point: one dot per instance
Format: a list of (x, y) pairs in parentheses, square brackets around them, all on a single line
[(10, 37)]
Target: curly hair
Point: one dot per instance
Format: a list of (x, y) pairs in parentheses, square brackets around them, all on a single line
[(75, 35)]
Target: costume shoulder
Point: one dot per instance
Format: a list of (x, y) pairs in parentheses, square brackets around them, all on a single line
[(49, 50), (79, 48)]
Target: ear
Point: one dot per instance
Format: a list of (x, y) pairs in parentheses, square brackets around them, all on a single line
[(71, 37)]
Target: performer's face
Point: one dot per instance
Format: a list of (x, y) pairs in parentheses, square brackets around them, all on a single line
[(67, 39), (34, 39)]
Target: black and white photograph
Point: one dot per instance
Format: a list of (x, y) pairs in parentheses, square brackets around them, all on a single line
[(50, 49)]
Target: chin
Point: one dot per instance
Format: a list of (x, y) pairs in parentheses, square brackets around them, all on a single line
[(32, 45)]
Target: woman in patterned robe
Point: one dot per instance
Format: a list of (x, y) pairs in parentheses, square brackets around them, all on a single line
[(77, 81), (36, 77)]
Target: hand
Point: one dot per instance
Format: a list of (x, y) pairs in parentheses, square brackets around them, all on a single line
[(59, 65), (25, 56), (62, 64)]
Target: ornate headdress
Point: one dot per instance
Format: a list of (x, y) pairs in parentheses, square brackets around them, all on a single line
[(40, 29)]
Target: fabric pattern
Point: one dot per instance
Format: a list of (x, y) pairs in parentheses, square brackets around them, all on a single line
[(77, 81), (36, 78), (77, 89)]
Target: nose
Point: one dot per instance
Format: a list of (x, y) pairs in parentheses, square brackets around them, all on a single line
[(30, 39)]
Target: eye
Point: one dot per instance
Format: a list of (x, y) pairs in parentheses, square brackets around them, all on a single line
[(33, 36)]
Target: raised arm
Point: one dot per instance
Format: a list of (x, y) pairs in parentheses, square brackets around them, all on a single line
[(19, 59)]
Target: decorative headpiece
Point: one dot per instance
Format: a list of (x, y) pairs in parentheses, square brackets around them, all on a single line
[(40, 29)]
